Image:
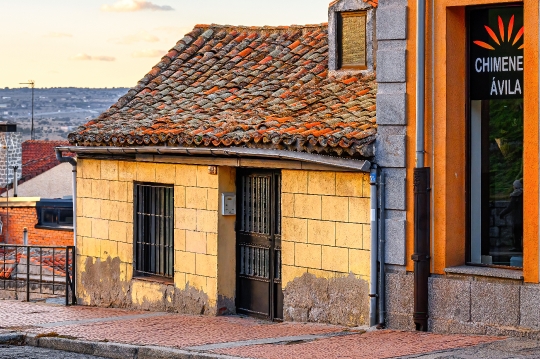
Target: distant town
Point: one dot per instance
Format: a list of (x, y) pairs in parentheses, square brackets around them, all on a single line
[(57, 111)]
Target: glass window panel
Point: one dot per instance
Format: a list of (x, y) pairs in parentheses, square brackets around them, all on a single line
[(497, 182), (49, 216), (66, 217)]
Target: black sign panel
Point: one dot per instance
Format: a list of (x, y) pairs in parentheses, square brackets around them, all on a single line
[(496, 53)]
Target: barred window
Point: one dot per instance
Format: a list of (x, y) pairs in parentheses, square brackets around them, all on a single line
[(154, 229), (352, 40)]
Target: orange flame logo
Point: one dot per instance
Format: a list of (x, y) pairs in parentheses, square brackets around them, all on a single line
[(493, 35)]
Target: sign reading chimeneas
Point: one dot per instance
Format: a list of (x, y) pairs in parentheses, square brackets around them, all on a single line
[(496, 53)]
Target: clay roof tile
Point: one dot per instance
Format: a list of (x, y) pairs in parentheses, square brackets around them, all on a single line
[(229, 86)]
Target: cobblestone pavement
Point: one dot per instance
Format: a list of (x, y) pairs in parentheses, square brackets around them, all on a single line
[(231, 335), (12, 352)]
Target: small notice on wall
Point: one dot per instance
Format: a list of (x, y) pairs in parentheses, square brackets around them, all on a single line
[(496, 46)]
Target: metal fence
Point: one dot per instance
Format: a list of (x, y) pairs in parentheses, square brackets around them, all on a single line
[(37, 272)]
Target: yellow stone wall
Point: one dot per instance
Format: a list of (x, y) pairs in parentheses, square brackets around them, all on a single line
[(105, 221), (325, 228), (325, 224)]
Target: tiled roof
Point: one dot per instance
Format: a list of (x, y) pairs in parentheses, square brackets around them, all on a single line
[(373, 3), (265, 87), (38, 157)]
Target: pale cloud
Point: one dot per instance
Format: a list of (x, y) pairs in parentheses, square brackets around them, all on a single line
[(142, 36), (57, 34), (174, 30), (148, 53), (134, 5), (86, 57)]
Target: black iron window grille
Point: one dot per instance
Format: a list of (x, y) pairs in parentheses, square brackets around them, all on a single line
[(154, 230)]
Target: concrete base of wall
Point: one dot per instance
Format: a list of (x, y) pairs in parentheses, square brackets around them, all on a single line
[(467, 304)]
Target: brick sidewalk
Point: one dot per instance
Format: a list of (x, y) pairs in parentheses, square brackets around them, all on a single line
[(231, 335)]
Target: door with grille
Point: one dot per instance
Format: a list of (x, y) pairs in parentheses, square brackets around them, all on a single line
[(258, 238)]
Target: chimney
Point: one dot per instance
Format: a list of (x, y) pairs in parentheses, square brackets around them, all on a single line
[(10, 153)]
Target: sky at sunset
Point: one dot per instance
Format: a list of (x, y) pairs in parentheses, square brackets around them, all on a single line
[(114, 43)]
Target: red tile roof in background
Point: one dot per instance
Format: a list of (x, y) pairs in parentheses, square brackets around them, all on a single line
[(264, 87), (38, 157)]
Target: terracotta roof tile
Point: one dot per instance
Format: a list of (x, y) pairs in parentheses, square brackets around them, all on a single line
[(37, 158), (265, 87), (373, 3)]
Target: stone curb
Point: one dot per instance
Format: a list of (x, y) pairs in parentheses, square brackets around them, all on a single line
[(105, 349), (12, 339)]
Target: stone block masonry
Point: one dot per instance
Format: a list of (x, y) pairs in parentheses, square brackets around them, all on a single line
[(10, 155), (325, 241), (325, 246), (392, 119), (483, 301), (105, 237)]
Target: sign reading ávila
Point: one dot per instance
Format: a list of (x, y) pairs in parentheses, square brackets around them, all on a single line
[(496, 53)]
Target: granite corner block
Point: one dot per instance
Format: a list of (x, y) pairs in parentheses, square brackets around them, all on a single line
[(399, 294), (391, 109), (391, 65), (395, 241), (390, 151), (392, 23), (396, 191), (400, 322)]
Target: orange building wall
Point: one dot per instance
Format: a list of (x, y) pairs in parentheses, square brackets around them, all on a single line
[(21, 217), (446, 130)]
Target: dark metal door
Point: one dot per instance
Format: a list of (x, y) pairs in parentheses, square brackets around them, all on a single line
[(258, 238)]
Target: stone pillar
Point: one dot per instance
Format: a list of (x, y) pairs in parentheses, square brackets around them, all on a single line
[(390, 150)]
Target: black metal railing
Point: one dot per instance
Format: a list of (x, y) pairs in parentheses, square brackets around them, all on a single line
[(37, 272)]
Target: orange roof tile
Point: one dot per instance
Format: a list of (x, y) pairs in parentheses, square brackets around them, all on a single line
[(244, 86), (373, 3)]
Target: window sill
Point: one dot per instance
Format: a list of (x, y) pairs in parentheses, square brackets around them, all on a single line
[(486, 272), (154, 279), (53, 228)]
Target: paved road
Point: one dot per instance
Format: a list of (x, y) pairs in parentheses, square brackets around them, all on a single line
[(11, 352), (512, 348), (229, 335)]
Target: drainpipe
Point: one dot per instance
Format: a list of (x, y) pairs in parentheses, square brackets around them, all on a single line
[(421, 184), (374, 231), (15, 181), (72, 161), (382, 254)]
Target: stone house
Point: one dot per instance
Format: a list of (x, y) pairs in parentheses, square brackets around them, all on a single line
[(476, 148), (235, 176)]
